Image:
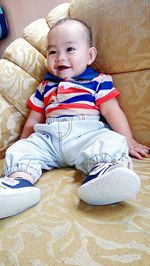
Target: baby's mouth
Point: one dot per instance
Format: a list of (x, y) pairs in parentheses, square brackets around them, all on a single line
[(60, 68)]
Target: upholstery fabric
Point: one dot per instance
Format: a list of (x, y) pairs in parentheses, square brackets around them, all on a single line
[(61, 229)]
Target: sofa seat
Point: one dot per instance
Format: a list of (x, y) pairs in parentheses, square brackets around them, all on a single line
[(62, 230)]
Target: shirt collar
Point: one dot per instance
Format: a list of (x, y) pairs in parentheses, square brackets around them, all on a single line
[(88, 74)]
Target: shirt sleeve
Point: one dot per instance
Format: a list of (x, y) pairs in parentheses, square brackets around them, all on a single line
[(105, 89), (36, 100)]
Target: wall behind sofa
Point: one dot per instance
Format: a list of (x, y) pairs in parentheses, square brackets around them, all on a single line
[(20, 13)]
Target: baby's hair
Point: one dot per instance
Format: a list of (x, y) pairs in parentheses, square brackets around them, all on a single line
[(87, 28)]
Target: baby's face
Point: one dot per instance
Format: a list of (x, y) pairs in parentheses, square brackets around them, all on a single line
[(68, 52)]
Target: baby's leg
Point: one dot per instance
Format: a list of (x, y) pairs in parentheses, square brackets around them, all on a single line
[(24, 162), (27, 157), (106, 161), (102, 146)]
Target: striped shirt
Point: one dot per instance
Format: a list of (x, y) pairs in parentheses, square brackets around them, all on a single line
[(81, 95)]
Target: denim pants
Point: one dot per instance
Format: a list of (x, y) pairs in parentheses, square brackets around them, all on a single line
[(79, 141)]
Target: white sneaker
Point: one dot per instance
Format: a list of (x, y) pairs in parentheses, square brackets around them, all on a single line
[(17, 195), (109, 183)]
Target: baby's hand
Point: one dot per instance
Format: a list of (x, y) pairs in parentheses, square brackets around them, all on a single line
[(138, 150)]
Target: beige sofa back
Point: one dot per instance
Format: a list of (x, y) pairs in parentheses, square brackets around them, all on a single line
[(121, 35)]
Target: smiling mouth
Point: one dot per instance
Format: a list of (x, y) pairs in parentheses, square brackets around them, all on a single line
[(61, 68)]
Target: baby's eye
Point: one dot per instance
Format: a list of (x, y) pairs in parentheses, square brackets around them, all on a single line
[(70, 49), (52, 52)]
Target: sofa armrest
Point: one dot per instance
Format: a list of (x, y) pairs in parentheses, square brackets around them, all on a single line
[(11, 123)]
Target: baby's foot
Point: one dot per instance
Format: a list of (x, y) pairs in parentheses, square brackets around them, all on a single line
[(109, 183), (17, 195)]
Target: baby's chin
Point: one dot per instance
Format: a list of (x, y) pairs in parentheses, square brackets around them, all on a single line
[(64, 74)]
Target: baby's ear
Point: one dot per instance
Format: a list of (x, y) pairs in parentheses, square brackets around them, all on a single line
[(92, 55)]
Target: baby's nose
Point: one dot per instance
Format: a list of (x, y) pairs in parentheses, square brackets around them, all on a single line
[(61, 57)]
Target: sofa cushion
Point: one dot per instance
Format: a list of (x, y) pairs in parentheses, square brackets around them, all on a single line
[(134, 100), (27, 57), (120, 35), (16, 85), (62, 230)]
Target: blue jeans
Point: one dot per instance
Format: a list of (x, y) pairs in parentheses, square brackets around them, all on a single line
[(79, 141)]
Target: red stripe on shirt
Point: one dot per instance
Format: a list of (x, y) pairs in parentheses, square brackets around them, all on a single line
[(72, 106), (34, 107), (63, 90), (107, 97), (47, 99)]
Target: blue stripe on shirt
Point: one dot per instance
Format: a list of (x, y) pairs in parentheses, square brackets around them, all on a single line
[(106, 85), (39, 96), (80, 98)]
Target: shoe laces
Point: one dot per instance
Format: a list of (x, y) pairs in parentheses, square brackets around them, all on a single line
[(101, 168)]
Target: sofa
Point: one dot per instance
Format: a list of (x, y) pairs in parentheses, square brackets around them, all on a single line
[(61, 229)]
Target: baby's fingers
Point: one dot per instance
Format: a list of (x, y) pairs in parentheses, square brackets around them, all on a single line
[(135, 154), (139, 151)]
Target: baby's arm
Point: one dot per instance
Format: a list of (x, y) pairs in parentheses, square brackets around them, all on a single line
[(34, 118), (118, 122)]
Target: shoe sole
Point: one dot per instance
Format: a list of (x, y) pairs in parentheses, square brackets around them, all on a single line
[(115, 186), (13, 202)]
